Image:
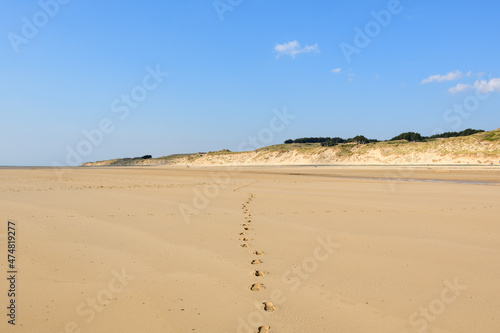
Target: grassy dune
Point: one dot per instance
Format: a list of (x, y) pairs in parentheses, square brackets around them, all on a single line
[(481, 148)]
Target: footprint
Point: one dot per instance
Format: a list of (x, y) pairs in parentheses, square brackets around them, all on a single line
[(264, 329), (257, 286), (258, 253), (244, 224), (244, 245), (242, 234), (247, 229), (256, 262), (245, 239), (258, 273), (269, 307)]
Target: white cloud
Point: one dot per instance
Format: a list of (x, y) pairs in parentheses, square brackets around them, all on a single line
[(293, 48), (336, 70), (459, 87), (471, 73), (488, 86), (482, 86), (446, 77)]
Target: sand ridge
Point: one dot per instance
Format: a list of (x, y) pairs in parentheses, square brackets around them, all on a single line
[(477, 149)]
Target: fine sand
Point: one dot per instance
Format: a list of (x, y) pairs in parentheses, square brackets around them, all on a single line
[(296, 249)]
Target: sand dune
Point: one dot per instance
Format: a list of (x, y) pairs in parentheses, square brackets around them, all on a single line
[(252, 249), (477, 149)]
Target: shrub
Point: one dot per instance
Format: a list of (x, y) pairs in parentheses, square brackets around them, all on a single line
[(466, 132), (329, 143), (359, 139), (409, 136)]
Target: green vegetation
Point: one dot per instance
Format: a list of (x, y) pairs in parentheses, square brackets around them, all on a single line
[(329, 142), (173, 156), (283, 148), (360, 139), (315, 140), (344, 151), (466, 132), (474, 142), (409, 136), (222, 151), (333, 142), (492, 136)]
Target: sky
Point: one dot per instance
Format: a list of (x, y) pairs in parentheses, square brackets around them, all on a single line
[(94, 80)]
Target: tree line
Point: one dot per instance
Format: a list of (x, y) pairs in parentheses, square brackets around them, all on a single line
[(360, 139), (327, 141)]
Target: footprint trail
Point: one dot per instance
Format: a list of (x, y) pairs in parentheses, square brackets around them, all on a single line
[(248, 219)]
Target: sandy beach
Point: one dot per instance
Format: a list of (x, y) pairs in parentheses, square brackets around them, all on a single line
[(215, 249)]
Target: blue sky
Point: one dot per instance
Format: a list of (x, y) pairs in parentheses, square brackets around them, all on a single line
[(424, 66)]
